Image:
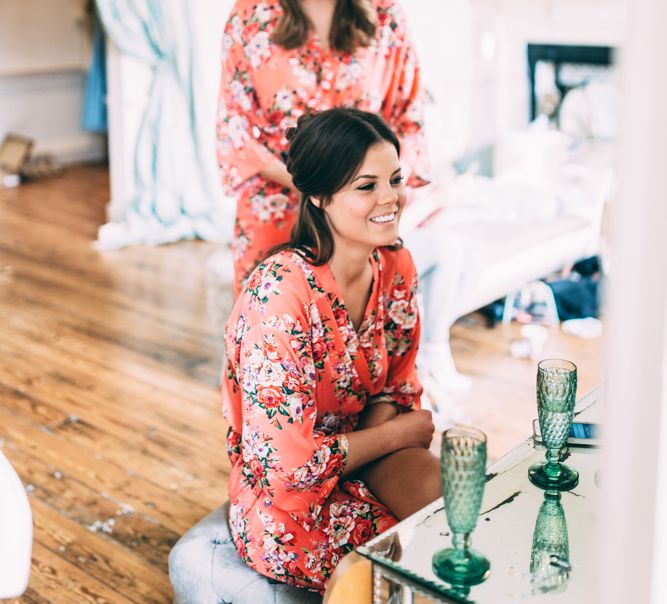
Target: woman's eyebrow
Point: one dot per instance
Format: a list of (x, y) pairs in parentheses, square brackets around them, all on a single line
[(373, 175), (364, 176)]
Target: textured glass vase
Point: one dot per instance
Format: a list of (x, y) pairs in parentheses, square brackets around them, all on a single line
[(556, 397), (550, 556), (463, 468)]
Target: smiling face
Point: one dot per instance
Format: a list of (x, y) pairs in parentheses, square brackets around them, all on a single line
[(364, 214)]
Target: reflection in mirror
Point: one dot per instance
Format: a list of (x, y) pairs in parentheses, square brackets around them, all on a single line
[(550, 555), (389, 547)]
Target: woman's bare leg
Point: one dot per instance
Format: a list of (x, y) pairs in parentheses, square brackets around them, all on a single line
[(404, 481)]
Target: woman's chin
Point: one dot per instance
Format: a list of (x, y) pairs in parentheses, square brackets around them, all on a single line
[(389, 239)]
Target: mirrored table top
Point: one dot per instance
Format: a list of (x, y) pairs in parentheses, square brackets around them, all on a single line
[(540, 545)]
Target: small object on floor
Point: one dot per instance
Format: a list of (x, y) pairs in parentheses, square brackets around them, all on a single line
[(532, 343), (41, 166), (534, 303), (446, 412), (14, 152), (436, 360), (587, 328), (9, 181), (493, 313)]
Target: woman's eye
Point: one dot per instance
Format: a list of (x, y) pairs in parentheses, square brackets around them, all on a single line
[(367, 187), (397, 181)]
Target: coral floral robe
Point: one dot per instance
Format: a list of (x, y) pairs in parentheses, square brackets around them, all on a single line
[(265, 88), (297, 376)]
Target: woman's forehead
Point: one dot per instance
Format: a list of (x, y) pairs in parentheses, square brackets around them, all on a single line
[(379, 155)]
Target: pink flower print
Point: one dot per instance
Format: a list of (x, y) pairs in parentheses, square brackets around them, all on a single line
[(403, 313), (329, 423), (270, 397), (363, 531), (263, 12)]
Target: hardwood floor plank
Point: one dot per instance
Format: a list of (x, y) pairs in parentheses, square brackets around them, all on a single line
[(161, 502), (97, 512), (103, 555), (158, 427), (145, 456), (60, 582)]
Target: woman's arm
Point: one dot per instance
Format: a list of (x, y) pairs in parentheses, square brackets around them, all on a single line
[(277, 172), (377, 413), (241, 149), (407, 430)]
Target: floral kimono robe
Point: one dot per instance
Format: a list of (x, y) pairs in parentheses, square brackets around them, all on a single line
[(265, 88), (297, 376)]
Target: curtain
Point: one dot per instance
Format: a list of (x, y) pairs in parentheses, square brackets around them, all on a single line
[(176, 194), (94, 117)]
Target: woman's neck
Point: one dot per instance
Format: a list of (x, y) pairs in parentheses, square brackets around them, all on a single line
[(354, 278), (320, 13), (350, 266)]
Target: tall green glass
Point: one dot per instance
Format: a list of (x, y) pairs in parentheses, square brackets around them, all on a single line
[(550, 555), (463, 468), (556, 397)]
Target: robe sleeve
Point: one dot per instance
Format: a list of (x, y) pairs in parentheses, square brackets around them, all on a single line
[(239, 149), (295, 464), (404, 102), (402, 329)]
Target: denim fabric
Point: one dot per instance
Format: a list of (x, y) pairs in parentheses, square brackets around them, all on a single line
[(204, 568)]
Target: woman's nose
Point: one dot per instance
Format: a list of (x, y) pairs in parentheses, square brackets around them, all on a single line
[(389, 195)]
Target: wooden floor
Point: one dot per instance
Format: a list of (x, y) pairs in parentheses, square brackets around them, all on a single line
[(109, 409)]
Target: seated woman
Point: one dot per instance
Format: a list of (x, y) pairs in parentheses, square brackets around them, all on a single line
[(327, 441)]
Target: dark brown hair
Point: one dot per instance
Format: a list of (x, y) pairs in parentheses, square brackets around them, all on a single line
[(325, 152), (353, 25)]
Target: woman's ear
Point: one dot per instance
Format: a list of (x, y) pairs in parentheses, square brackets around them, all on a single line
[(316, 202)]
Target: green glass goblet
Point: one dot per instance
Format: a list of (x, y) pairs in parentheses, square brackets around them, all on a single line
[(556, 397), (550, 555), (463, 469)]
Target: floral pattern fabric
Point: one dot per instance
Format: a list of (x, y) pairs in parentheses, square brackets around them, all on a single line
[(264, 90), (297, 376)]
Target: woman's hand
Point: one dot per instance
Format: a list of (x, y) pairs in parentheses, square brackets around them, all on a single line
[(413, 429)]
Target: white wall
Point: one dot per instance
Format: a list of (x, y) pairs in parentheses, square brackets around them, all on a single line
[(659, 581), (473, 55), (633, 539), (45, 51)]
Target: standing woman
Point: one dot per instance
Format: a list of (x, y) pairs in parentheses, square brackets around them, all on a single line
[(282, 58), (327, 441)]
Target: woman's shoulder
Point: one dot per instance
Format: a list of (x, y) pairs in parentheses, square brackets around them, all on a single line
[(252, 10), (280, 279), (389, 10), (253, 5)]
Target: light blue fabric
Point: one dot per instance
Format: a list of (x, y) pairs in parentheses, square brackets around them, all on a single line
[(173, 197), (204, 568), (94, 116)]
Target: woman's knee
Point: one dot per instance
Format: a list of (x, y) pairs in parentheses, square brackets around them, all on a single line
[(412, 467)]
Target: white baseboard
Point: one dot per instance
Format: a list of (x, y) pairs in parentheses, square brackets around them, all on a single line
[(83, 148)]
